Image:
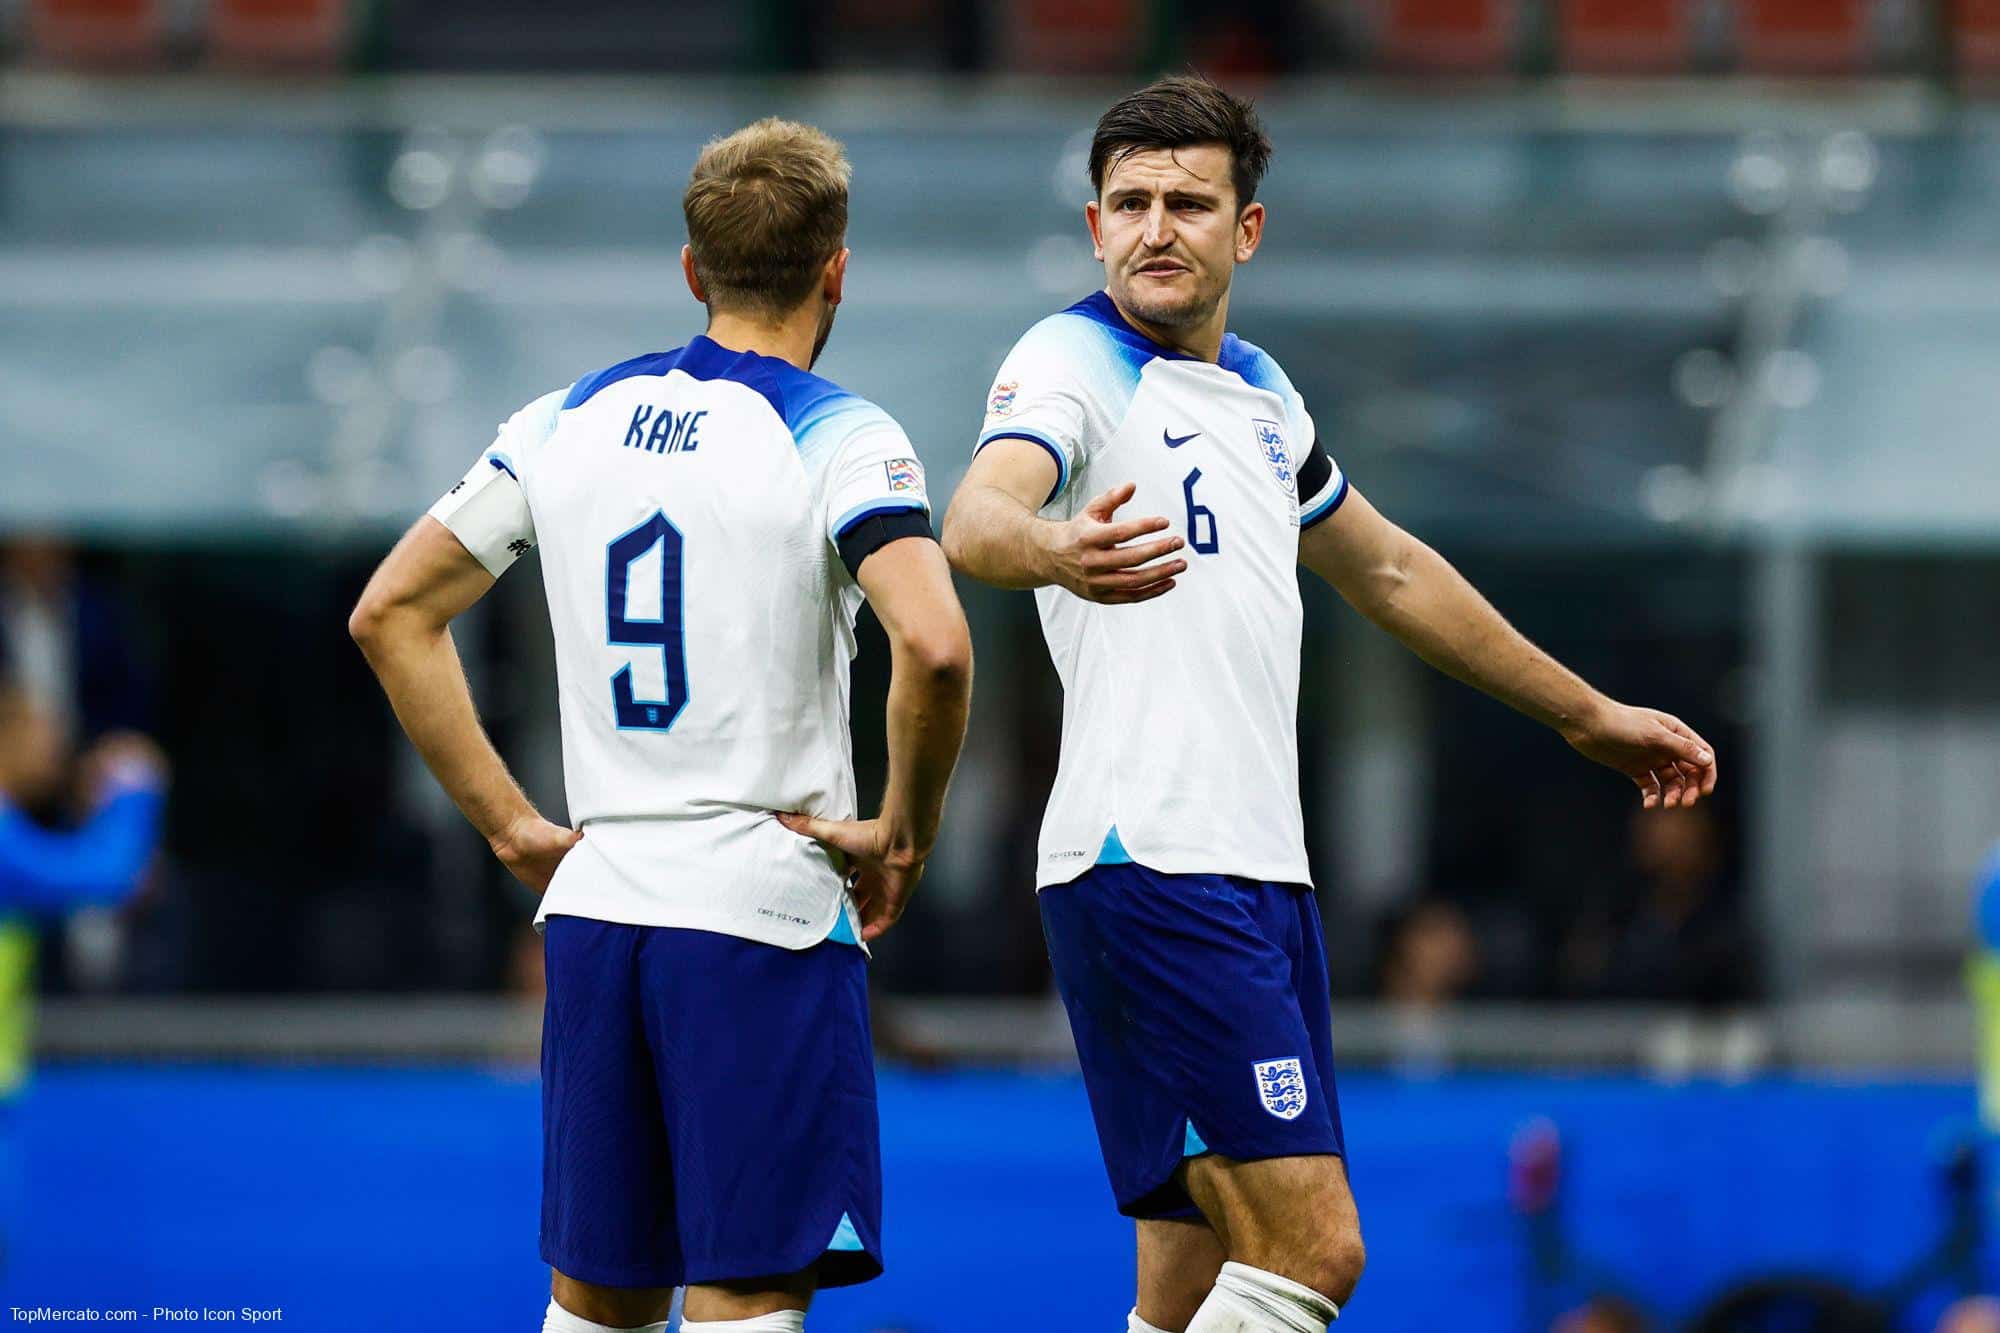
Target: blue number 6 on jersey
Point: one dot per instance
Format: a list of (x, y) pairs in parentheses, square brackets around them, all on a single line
[(1212, 543), (664, 633)]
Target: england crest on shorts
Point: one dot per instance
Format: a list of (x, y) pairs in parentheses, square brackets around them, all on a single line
[(1271, 440), (1282, 1086)]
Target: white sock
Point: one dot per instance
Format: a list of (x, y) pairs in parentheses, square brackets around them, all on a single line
[(1134, 1324), (778, 1321), (1250, 1300), (559, 1320)]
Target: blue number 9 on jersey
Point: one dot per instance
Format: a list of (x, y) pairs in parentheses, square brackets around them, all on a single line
[(664, 633)]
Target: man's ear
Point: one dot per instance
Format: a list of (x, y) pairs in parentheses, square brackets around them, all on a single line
[(836, 276), (1093, 216), (693, 278), (1249, 232)]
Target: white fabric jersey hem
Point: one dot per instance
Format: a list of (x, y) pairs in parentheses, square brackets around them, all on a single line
[(621, 911), (1180, 861)]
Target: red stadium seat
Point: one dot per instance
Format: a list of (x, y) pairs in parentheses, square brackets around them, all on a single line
[(1074, 36), (1802, 36), (96, 33), (1624, 36), (1975, 33), (1469, 36), (291, 33)]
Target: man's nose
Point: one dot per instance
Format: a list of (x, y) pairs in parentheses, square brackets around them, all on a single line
[(1159, 226)]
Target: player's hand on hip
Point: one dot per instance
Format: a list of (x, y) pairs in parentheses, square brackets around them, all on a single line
[(1670, 764), (532, 848), (881, 876), (1102, 559)]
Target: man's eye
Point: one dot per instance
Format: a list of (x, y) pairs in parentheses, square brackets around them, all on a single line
[(1131, 206)]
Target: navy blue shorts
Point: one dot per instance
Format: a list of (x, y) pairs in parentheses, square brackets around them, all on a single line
[(708, 1108), (1201, 1014)]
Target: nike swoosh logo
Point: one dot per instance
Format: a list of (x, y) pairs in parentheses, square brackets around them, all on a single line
[(1175, 442)]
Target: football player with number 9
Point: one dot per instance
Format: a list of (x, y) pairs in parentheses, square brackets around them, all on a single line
[(709, 519)]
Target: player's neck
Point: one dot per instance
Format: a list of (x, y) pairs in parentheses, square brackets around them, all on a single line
[(790, 340), (1202, 341)]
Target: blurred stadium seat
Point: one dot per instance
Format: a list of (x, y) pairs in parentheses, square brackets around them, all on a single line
[(1623, 36), (1975, 35), (1802, 36), (1089, 36), (1463, 36), (712, 36), (290, 33), (95, 33)]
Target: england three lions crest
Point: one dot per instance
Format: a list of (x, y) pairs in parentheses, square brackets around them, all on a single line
[(1271, 439), (1282, 1086)]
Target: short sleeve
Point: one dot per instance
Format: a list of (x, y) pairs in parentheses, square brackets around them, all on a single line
[(1322, 485), (1319, 503), (488, 509), (873, 488), (1044, 393)]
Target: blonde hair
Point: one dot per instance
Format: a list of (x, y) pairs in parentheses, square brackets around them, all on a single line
[(766, 208)]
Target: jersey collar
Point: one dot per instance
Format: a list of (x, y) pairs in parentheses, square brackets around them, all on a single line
[(1099, 307)]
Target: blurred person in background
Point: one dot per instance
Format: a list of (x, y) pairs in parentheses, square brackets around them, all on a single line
[(117, 790), (711, 519), (1431, 958), (1678, 936), (1178, 903), (64, 641), (1982, 980)]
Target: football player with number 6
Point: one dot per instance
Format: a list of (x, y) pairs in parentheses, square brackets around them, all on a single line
[(1174, 889)]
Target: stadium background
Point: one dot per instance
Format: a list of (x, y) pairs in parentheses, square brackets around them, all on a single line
[(1672, 322)]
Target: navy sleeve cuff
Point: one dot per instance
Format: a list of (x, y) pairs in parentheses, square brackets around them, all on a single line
[(1324, 508), (871, 534), (1061, 459)]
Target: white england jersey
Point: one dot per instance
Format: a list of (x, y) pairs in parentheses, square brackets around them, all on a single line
[(699, 514), (1180, 714)]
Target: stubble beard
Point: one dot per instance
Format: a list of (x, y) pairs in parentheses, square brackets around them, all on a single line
[(1169, 312)]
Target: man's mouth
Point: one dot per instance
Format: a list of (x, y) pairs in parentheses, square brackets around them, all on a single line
[(1163, 268)]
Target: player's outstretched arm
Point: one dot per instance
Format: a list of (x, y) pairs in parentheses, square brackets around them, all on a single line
[(402, 623), (993, 533), (1413, 592), (930, 689)]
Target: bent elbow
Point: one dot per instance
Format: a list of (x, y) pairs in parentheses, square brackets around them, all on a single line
[(374, 620), (364, 623), (943, 661), (1390, 582)]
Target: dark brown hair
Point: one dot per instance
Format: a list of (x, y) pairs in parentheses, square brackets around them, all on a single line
[(1184, 111), (766, 208)]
